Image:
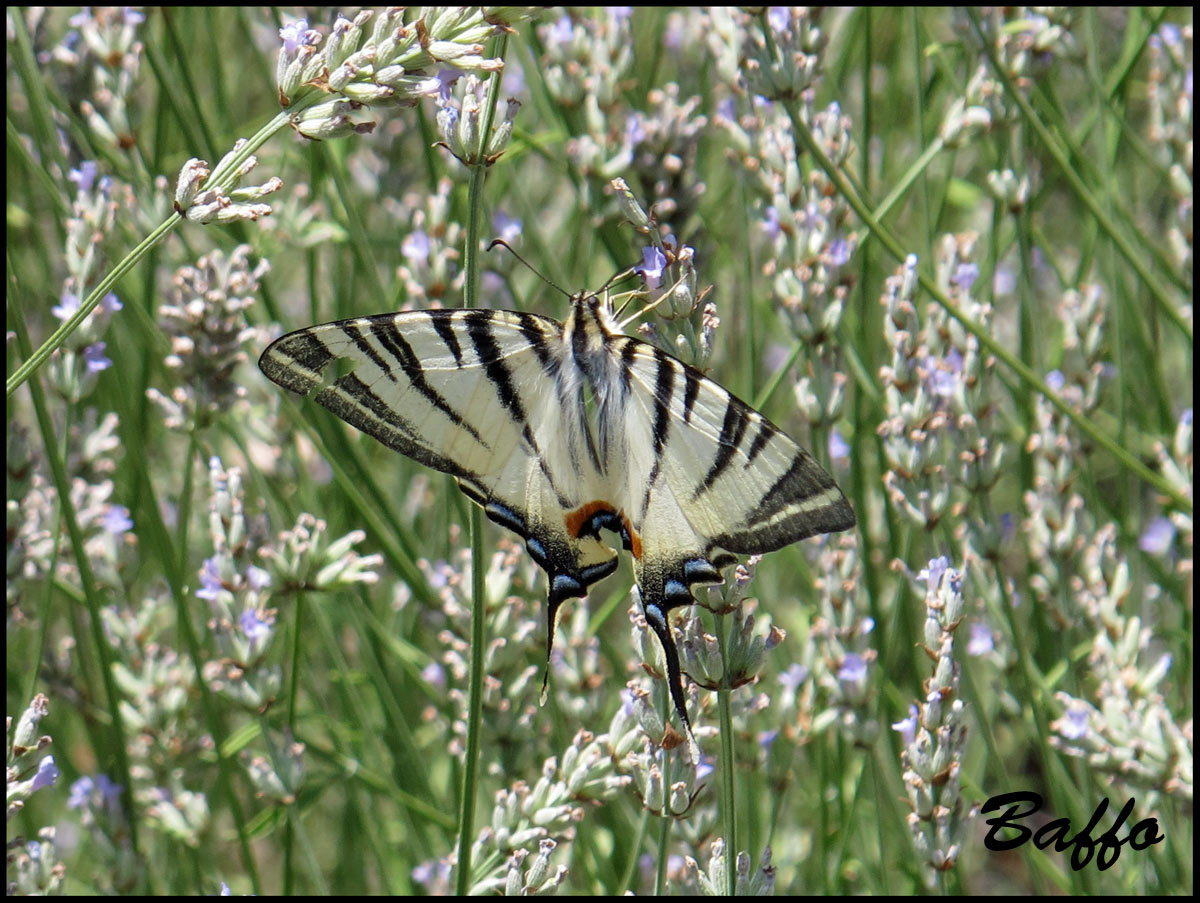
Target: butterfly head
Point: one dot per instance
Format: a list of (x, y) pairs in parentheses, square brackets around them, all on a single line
[(590, 323)]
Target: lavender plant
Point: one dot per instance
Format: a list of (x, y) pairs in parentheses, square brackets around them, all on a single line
[(949, 250)]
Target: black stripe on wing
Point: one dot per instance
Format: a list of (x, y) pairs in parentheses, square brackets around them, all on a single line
[(356, 403), (766, 432), (664, 389), (295, 361), (539, 336), (442, 322), (804, 501), (691, 392), (491, 357), (393, 341), (733, 427), (487, 349)]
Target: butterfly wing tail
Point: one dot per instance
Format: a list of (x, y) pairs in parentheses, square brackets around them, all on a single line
[(656, 617)]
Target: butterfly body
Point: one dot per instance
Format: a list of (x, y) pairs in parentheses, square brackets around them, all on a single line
[(560, 431)]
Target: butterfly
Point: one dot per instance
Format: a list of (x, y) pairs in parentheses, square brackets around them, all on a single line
[(562, 430)]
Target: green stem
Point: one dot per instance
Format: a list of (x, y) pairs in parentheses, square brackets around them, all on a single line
[(224, 178), (470, 788), (93, 595), (728, 797)]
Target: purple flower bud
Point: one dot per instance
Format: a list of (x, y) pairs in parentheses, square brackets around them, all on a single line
[(65, 309), (980, 639), (838, 446), (293, 36), (85, 176), (907, 728), (210, 581), (415, 246), (1157, 537), (93, 356), (254, 627), (47, 774), (1074, 724), (932, 575), (653, 263), (116, 521)]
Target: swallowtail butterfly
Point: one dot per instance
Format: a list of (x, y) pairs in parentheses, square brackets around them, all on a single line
[(559, 430)]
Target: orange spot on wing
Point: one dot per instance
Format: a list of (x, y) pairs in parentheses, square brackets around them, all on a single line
[(575, 521), (635, 540), (581, 515)]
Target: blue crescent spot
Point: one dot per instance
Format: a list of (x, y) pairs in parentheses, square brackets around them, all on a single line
[(698, 570), (676, 592), (536, 549), (506, 517), (564, 585), (594, 572)]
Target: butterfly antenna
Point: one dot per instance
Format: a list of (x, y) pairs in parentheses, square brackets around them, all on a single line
[(528, 265), (617, 277)]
